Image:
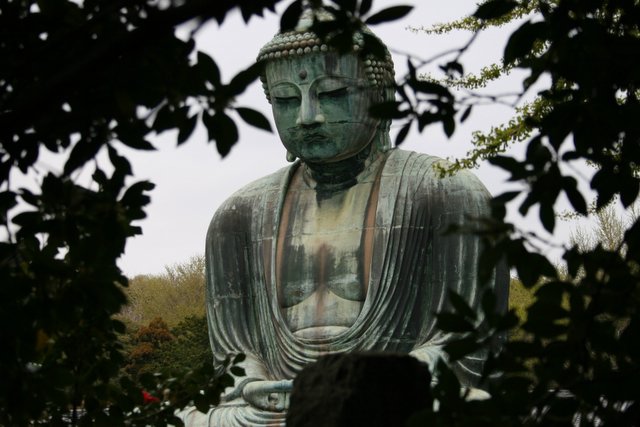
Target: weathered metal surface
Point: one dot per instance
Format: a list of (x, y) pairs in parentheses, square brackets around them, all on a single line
[(342, 251)]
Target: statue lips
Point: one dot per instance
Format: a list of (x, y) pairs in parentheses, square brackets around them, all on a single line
[(314, 137)]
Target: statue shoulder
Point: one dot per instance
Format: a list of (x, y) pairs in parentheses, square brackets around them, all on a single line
[(235, 213), (423, 172)]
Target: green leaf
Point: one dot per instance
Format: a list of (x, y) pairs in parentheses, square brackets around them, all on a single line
[(254, 118), (389, 14), (494, 9)]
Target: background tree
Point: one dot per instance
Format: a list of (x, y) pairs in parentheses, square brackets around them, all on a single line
[(174, 295)]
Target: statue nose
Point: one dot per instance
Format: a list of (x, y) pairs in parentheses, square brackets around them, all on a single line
[(310, 113)]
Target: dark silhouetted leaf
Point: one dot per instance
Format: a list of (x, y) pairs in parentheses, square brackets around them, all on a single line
[(449, 125), (389, 14), (388, 110), (460, 348), (237, 371), (521, 42), (365, 7), (209, 68), (465, 114), (402, 134), (494, 9), (425, 86), (244, 78), (290, 17), (254, 118), (81, 153), (347, 5), (547, 216), (186, 129), (573, 194), (461, 306), (451, 322)]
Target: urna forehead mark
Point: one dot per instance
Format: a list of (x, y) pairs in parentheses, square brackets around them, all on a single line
[(308, 68)]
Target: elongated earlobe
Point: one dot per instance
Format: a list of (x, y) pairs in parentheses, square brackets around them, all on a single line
[(290, 157)]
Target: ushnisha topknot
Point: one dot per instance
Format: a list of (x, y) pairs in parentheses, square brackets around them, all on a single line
[(301, 41)]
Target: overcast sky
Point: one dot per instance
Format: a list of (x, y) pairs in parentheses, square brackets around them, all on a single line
[(192, 180)]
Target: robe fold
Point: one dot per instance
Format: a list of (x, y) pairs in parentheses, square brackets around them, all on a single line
[(413, 264)]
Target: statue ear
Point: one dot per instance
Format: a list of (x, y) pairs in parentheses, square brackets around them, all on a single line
[(290, 157)]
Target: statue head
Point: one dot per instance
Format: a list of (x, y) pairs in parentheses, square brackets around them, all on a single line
[(321, 98)]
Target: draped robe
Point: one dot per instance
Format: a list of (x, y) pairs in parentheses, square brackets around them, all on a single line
[(413, 264)]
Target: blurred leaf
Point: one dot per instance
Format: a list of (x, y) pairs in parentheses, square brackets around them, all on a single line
[(186, 129), (290, 17), (461, 306), (402, 134), (209, 68), (465, 115), (365, 7), (223, 130), (449, 125), (521, 42), (425, 86), (254, 118), (244, 78), (389, 14), (573, 194), (494, 9), (457, 349), (388, 110), (237, 371), (82, 152), (451, 322), (347, 5)]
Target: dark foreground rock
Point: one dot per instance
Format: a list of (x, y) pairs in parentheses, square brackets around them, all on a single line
[(359, 389)]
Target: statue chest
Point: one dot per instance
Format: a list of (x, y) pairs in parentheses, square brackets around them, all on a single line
[(322, 270)]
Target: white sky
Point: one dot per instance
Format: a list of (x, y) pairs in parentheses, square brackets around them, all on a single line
[(192, 180)]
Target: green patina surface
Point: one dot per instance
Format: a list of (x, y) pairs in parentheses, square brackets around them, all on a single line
[(342, 251)]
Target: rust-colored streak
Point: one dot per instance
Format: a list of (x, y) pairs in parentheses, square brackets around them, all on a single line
[(369, 231), (282, 233), (321, 279)]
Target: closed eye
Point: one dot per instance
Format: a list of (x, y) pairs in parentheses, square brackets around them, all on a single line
[(286, 99), (335, 93)]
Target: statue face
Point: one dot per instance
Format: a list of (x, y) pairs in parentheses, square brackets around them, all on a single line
[(320, 105)]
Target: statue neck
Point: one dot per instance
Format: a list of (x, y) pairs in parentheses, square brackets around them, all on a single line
[(330, 178)]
